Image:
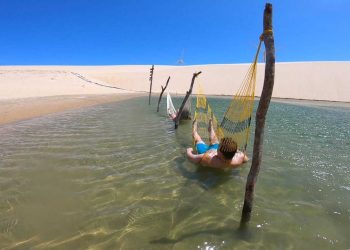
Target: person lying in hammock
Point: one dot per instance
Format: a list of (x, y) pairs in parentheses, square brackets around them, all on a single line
[(172, 115), (185, 115), (223, 155)]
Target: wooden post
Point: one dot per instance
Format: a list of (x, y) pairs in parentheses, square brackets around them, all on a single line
[(150, 84), (188, 93), (161, 93), (264, 102)]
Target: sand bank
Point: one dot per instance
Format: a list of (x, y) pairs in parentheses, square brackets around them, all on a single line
[(28, 92), (21, 86), (21, 109)]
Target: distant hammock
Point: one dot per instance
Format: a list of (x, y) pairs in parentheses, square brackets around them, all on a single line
[(171, 111), (237, 119)]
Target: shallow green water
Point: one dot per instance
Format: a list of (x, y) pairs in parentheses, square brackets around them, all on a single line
[(115, 177)]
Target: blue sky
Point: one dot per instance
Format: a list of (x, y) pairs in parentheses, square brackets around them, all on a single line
[(120, 32)]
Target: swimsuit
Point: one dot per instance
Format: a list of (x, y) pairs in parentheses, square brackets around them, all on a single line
[(202, 147)]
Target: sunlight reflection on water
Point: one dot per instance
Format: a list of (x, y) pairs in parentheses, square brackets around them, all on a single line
[(115, 176)]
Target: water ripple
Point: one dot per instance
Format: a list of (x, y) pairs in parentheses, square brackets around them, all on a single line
[(104, 176)]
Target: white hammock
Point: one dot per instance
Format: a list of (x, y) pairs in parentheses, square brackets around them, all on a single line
[(171, 111)]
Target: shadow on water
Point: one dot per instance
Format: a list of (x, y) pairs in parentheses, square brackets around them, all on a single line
[(207, 178), (231, 233)]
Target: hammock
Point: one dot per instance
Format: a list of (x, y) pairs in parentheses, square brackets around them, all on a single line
[(171, 111), (237, 118)]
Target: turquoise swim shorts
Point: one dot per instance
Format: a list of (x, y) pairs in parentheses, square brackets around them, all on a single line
[(202, 147)]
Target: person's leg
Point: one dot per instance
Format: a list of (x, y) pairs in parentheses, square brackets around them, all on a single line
[(212, 136), (195, 135), (201, 147)]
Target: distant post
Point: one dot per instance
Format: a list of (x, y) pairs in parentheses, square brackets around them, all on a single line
[(264, 102), (188, 93), (161, 93), (150, 84)]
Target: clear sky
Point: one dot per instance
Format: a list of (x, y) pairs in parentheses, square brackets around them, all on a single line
[(120, 32)]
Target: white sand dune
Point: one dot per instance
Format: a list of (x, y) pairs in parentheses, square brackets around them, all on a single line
[(311, 81), (304, 80), (328, 81)]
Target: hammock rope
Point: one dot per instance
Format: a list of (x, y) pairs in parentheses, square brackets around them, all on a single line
[(237, 118)]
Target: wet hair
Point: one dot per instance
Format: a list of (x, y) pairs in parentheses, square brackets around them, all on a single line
[(228, 147)]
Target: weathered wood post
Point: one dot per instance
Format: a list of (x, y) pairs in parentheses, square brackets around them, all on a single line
[(161, 93), (150, 84), (188, 93), (264, 102)]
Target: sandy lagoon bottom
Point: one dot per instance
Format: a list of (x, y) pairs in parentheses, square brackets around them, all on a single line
[(115, 177)]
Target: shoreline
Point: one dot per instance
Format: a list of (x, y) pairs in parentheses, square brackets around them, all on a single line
[(19, 109), (311, 102), (285, 100)]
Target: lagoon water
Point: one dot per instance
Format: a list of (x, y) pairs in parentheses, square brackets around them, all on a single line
[(115, 177)]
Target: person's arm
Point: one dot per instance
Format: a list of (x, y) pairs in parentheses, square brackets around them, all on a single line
[(193, 157)]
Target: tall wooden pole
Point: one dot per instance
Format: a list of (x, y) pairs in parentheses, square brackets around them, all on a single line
[(150, 84), (161, 93), (188, 93), (264, 102)]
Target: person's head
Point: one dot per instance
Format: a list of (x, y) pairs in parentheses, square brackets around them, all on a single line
[(228, 148)]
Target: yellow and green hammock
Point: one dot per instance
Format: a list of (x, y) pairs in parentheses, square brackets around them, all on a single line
[(237, 118)]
